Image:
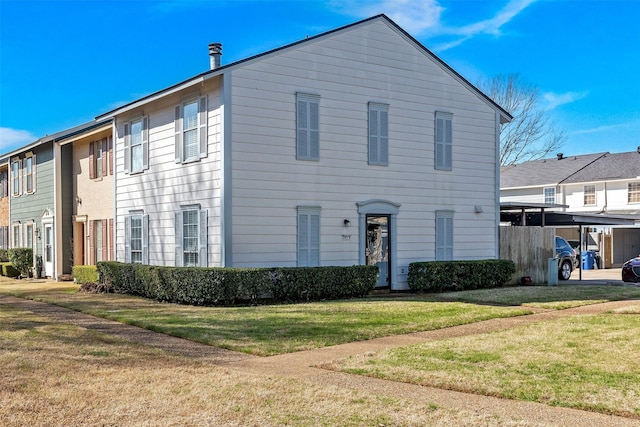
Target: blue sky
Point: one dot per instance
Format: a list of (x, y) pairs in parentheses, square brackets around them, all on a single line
[(64, 62)]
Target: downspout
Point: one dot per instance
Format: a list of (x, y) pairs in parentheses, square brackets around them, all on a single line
[(226, 250), (114, 241), (497, 188)]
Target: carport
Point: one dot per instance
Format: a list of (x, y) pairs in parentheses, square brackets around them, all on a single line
[(538, 215)]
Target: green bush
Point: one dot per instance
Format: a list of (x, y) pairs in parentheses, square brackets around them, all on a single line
[(226, 286), (22, 260), (439, 276), (4, 257), (85, 273), (9, 270)]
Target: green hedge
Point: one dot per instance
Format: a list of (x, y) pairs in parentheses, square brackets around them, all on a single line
[(9, 270), (4, 256), (22, 260), (85, 274), (439, 276), (226, 286)]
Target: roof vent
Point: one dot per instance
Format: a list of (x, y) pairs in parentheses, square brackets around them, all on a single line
[(639, 149), (215, 52), (560, 156)]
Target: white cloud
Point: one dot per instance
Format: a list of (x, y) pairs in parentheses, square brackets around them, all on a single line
[(14, 138), (599, 129), (425, 18), (557, 99)]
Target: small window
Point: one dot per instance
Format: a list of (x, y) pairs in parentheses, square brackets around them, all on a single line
[(191, 130), (136, 146), (444, 235), (16, 236), (30, 174), (550, 196), (98, 159), (307, 127), (136, 238), (444, 141), (98, 230), (15, 177), (191, 237), (28, 236), (4, 184), (378, 134), (589, 195), (634, 192), (308, 236)]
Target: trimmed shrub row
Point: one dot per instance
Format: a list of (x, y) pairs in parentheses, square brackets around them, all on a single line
[(226, 286), (439, 276), (22, 260), (7, 269), (85, 274)]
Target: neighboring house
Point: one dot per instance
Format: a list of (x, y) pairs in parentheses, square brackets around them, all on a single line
[(602, 183), (92, 176), (42, 198), (356, 146), (4, 205)]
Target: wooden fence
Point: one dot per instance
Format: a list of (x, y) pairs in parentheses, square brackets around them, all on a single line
[(530, 249)]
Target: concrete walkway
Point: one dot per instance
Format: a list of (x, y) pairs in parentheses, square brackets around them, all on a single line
[(306, 366)]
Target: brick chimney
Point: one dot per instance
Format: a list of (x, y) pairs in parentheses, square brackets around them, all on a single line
[(215, 52)]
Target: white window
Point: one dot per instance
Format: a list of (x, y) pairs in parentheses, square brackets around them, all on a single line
[(444, 235), (136, 145), (444, 141), (98, 240), (634, 192), (308, 236), (16, 236), (136, 238), (550, 196), (378, 134), (307, 127), (28, 236), (15, 177), (191, 237), (190, 123), (29, 165), (98, 159), (589, 195)]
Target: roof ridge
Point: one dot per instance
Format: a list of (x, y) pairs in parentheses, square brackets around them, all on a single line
[(582, 168)]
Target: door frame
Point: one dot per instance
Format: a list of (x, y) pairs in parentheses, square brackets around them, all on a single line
[(379, 207), (48, 222)]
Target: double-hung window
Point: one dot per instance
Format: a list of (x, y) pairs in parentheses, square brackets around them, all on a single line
[(444, 141), (29, 165), (550, 195), (308, 236), (28, 236), (16, 235), (137, 238), (99, 156), (191, 237), (444, 235), (136, 145), (307, 127), (191, 130), (378, 134), (634, 192), (589, 195), (15, 177)]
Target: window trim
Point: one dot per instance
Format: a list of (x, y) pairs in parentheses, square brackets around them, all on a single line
[(16, 176), (202, 129), (29, 235), (16, 231), (443, 141), (203, 235), (378, 134), (633, 195), (144, 237), (589, 195), (309, 246), (444, 249), (546, 197), (29, 159), (128, 147), (310, 133)]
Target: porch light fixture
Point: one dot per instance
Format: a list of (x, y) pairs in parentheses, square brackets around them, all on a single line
[(37, 233), (347, 223)]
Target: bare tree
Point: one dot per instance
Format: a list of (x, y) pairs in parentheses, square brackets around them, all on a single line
[(531, 135)]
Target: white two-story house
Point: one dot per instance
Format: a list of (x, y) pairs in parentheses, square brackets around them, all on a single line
[(356, 146), (603, 184)]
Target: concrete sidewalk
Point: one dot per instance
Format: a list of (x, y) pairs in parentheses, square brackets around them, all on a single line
[(306, 366)]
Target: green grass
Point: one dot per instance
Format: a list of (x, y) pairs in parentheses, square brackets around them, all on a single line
[(547, 297), (584, 362)]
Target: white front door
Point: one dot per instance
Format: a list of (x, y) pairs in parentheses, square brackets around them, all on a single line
[(48, 250)]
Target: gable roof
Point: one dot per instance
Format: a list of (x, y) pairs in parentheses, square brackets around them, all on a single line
[(608, 168), (505, 116), (545, 172)]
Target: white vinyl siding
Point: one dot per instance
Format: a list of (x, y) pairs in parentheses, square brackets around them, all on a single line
[(378, 134), (549, 195), (308, 237), (444, 236), (136, 238), (191, 237), (307, 127), (444, 141), (190, 127), (136, 145)]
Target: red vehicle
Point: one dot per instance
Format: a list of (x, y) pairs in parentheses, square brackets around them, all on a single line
[(631, 270)]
